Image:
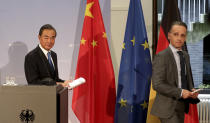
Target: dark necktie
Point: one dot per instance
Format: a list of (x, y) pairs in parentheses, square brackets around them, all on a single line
[(50, 61), (183, 73), (183, 78)]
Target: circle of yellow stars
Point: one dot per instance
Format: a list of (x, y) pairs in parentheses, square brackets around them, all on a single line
[(123, 103), (145, 44)]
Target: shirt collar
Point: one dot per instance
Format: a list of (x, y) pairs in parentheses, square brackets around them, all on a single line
[(174, 50), (43, 50)]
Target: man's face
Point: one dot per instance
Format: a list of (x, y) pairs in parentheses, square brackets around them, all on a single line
[(47, 39), (177, 36)]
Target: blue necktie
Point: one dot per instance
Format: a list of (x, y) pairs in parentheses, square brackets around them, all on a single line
[(50, 61)]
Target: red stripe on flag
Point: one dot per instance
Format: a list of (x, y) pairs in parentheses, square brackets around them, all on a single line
[(192, 116), (162, 42)]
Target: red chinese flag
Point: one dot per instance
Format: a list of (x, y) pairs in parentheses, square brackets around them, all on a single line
[(171, 14), (94, 101)]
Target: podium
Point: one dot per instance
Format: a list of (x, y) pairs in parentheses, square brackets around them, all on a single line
[(33, 104)]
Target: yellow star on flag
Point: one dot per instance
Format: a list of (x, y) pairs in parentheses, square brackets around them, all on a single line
[(104, 35), (144, 105), (87, 11), (83, 41), (123, 46), (94, 43), (123, 103), (146, 45), (133, 40)]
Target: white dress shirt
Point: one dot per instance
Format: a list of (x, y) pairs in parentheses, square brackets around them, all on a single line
[(177, 59), (45, 53)]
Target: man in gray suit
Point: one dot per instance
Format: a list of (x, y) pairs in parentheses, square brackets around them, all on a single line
[(172, 78)]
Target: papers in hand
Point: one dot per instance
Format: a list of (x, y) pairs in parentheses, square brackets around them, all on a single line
[(197, 90), (76, 83)]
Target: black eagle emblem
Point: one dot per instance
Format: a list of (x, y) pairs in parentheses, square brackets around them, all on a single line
[(27, 116)]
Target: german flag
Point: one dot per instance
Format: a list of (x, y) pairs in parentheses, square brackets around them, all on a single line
[(170, 14)]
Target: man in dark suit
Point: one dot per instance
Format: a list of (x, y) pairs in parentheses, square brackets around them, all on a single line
[(41, 63), (172, 78)]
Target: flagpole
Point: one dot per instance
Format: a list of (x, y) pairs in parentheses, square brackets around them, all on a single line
[(151, 118), (155, 30)]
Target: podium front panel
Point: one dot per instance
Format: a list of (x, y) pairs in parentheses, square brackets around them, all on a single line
[(19, 104)]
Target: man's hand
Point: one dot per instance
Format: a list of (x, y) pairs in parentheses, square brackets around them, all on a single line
[(186, 94), (65, 83), (195, 95)]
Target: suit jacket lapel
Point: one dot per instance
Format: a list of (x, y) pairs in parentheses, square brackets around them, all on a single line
[(173, 62), (187, 62), (188, 70), (45, 61)]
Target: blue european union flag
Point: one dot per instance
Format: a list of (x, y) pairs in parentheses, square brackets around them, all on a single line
[(135, 70)]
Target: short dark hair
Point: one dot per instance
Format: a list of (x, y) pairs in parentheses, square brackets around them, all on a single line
[(46, 26), (180, 23)]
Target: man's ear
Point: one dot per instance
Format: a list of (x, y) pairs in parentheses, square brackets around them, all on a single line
[(169, 35)]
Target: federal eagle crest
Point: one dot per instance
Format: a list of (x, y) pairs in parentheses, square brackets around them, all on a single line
[(27, 116)]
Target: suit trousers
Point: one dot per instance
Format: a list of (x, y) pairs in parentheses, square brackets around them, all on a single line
[(178, 115)]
